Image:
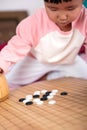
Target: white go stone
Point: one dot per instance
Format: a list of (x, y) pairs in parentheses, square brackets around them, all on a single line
[(43, 91), (25, 101), (51, 102), (29, 97), (52, 94), (54, 90), (50, 97), (39, 103), (37, 93), (36, 100)]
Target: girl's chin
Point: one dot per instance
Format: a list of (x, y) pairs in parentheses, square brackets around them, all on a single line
[(63, 24), (65, 27)]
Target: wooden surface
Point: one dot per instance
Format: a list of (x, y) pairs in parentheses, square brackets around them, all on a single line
[(69, 113)]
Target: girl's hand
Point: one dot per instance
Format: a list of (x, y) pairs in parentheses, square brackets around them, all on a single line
[(1, 71)]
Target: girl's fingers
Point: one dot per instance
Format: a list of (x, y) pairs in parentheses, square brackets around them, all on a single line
[(1, 70)]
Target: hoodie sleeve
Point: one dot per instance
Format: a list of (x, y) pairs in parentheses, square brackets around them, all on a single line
[(19, 45)]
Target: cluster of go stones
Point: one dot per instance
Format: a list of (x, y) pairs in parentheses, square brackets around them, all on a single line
[(39, 97)]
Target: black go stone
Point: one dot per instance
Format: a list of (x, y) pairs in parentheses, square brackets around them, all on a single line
[(44, 95), (64, 93), (43, 99), (21, 99), (29, 103), (36, 96), (48, 92)]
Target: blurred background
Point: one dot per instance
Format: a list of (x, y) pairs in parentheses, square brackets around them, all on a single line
[(85, 3), (29, 5), (11, 13)]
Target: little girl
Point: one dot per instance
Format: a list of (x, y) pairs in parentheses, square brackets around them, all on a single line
[(48, 43)]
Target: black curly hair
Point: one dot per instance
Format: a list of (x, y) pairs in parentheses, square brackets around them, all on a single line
[(56, 1)]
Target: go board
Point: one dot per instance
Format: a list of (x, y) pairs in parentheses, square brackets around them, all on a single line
[(68, 113)]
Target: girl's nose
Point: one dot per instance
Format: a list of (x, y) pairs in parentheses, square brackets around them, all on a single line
[(63, 17)]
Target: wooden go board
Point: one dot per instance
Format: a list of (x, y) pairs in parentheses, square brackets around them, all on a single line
[(69, 112)]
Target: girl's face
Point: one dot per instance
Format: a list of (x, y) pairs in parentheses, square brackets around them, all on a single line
[(64, 13)]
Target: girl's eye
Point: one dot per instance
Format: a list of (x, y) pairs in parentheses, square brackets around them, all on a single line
[(70, 9), (53, 9)]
